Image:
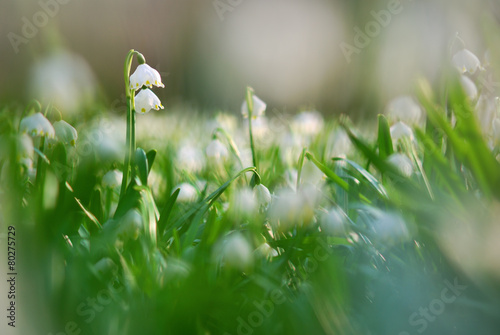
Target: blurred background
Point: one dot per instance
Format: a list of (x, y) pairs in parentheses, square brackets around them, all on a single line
[(295, 53)]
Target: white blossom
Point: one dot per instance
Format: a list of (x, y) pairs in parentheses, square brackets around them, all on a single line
[(262, 195), (333, 223), (400, 130), (37, 125), (236, 252), (404, 108), (187, 192), (65, 132), (145, 75), (402, 163), (146, 100), (216, 150), (308, 123), (112, 179), (466, 61), (259, 107), (469, 87)]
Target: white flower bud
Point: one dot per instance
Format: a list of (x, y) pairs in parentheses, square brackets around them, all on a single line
[(259, 108), (236, 252), (400, 130), (216, 150), (262, 195), (308, 123), (469, 87), (130, 225)]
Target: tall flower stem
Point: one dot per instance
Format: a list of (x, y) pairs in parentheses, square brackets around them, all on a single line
[(249, 98), (130, 135)]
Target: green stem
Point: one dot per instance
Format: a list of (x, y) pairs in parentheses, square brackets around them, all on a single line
[(130, 135), (249, 98)]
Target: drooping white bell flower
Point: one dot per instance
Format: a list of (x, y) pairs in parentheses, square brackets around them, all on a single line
[(25, 148), (466, 61), (259, 108), (308, 123), (388, 228), (244, 202), (262, 195), (400, 130), (216, 150), (145, 75), (37, 125), (235, 252), (112, 179), (65, 132), (469, 87), (404, 108), (130, 225), (402, 163), (146, 100), (333, 223)]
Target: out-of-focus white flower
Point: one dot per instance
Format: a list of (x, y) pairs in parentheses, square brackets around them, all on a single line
[(190, 158), (187, 192), (25, 148), (146, 100), (105, 265), (244, 202), (259, 108), (112, 179), (235, 252), (388, 227), (339, 143), (37, 125), (333, 223), (402, 163), (308, 123), (65, 80), (130, 225), (404, 108), (216, 150), (289, 209), (145, 75), (486, 110), (469, 87), (400, 130), (265, 250), (466, 61), (311, 174), (262, 195), (65, 132), (496, 129)]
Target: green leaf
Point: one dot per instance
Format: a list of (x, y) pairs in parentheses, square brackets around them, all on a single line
[(151, 155), (141, 161), (385, 147), (165, 213)]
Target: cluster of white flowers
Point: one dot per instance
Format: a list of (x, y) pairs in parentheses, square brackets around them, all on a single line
[(145, 100)]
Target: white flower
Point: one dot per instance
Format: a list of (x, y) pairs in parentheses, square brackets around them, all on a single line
[(37, 125), (65, 132), (259, 108), (469, 87), (146, 100), (400, 130), (339, 144), (216, 150), (130, 225), (333, 223), (389, 227), (308, 123), (25, 148), (236, 252), (112, 179), (289, 209), (402, 163), (265, 250), (466, 61), (404, 108), (145, 75), (486, 109), (190, 158), (262, 195), (244, 202), (187, 192)]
